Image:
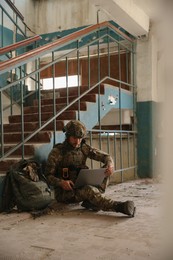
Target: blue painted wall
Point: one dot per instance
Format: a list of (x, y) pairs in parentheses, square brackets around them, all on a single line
[(8, 36), (49, 37), (147, 124)]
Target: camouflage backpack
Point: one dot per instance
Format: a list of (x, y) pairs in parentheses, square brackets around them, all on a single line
[(26, 187)]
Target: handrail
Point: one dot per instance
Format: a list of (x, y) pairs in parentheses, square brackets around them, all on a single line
[(9, 64), (17, 45), (14, 22), (52, 118), (13, 7), (58, 114)]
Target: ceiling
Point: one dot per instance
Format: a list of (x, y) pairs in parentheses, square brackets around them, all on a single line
[(132, 15)]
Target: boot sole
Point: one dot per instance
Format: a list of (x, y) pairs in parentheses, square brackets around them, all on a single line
[(134, 212)]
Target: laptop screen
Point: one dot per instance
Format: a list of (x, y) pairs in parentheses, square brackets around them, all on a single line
[(92, 177)]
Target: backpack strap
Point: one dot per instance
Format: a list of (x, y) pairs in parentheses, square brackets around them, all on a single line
[(8, 198)]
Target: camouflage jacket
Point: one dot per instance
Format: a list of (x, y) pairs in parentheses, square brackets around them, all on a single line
[(65, 156)]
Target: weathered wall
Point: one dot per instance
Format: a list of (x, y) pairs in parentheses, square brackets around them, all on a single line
[(59, 14), (149, 96)]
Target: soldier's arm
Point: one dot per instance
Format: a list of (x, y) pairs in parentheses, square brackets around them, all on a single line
[(100, 156), (51, 167)]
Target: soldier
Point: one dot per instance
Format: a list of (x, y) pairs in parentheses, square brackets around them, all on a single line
[(63, 165)]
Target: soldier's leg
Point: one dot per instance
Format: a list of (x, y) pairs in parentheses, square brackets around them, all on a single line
[(96, 198), (64, 196), (104, 184), (88, 205)]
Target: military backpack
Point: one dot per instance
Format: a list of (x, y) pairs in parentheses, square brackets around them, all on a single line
[(25, 187)]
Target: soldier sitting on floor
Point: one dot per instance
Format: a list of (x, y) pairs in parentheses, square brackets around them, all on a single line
[(63, 165)]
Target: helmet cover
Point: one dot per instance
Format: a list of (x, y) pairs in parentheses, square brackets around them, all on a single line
[(75, 128)]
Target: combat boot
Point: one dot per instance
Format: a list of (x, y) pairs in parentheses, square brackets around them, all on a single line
[(126, 207), (88, 205)]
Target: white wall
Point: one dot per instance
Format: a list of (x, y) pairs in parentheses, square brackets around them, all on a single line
[(26, 8), (59, 14), (113, 117), (148, 66), (127, 14)]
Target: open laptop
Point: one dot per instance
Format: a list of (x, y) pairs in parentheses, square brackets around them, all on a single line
[(92, 177)]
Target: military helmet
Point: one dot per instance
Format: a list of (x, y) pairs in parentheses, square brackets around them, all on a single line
[(75, 128)]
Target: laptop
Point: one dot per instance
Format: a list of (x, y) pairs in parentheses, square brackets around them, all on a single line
[(92, 177)]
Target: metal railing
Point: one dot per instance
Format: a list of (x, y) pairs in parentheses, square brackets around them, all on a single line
[(99, 54), (11, 20), (110, 141)]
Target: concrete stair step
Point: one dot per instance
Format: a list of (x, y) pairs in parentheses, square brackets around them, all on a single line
[(31, 126), (7, 163), (67, 115), (62, 100), (28, 149), (49, 108), (13, 138), (72, 91), (12, 131)]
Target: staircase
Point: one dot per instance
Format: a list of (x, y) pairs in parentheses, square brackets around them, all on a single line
[(90, 53), (12, 131)]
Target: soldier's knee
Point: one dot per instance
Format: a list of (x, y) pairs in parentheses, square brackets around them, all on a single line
[(86, 193), (91, 189)]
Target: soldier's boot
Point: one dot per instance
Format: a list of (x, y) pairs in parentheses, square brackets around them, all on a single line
[(88, 205), (126, 208)]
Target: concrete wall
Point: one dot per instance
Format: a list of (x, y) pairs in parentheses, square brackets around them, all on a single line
[(59, 15), (26, 8), (147, 67), (149, 96)]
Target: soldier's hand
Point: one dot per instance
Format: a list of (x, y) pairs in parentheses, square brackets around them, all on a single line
[(67, 184), (109, 170)]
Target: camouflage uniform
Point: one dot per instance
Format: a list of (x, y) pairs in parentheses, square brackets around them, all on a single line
[(64, 155)]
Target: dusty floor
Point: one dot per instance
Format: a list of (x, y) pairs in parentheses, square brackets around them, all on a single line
[(76, 233)]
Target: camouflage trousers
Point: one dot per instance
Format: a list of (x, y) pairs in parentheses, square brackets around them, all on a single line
[(89, 193)]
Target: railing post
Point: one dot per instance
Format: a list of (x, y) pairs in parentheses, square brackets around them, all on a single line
[(89, 72), (98, 77), (115, 152), (78, 73), (67, 87), (54, 98), (22, 115), (2, 127), (91, 141), (108, 39), (120, 110), (2, 28)]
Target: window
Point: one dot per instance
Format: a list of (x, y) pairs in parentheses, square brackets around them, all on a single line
[(61, 82)]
